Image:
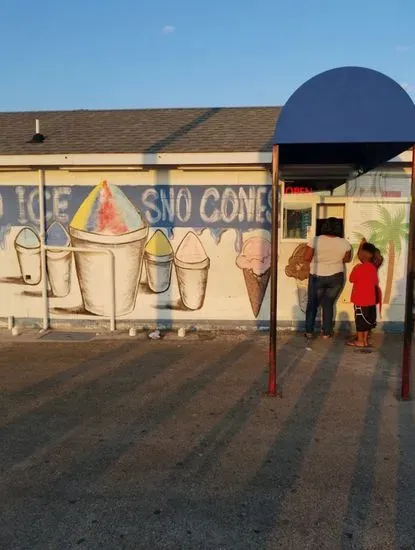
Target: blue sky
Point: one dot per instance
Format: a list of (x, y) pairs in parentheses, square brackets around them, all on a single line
[(72, 54)]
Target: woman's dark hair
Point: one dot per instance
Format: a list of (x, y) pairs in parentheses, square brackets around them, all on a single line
[(332, 227)]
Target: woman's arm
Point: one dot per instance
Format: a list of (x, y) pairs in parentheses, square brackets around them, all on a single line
[(347, 257), (308, 254)]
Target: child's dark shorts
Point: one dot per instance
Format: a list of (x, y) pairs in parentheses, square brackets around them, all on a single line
[(365, 318)]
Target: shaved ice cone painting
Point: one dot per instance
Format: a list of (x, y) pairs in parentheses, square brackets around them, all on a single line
[(192, 267), (158, 258), (255, 262), (299, 270), (59, 262), (27, 246), (107, 220)]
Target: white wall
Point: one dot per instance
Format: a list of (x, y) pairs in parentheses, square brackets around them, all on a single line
[(223, 208)]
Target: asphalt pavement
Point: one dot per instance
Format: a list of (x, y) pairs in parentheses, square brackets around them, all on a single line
[(118, 442)]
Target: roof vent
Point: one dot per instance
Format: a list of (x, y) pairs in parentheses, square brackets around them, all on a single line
[(37, 136)]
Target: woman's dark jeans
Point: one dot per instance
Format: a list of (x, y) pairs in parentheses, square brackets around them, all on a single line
[(322, 291)]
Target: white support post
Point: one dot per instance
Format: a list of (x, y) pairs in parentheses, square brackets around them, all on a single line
[(42, 236)]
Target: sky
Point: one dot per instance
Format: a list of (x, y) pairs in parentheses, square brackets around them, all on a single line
[(109, 54)]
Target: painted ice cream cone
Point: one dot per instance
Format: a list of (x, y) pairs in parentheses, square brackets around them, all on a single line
[(158, 258), (300, 271), (27, 245), (192, 266), (107, 220), (302, 293), (58, 263), (256, 285), (255, 262)]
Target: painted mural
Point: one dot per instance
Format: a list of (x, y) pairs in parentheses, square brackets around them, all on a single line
[(386, 226), (158, 258), (158, 237), (59, 262), (389, 232), (27, 246), (299, 270), (255, 262), (107, 221), (182, 252)]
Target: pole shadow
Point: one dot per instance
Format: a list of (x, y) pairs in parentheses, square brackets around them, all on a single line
[(362, 484)]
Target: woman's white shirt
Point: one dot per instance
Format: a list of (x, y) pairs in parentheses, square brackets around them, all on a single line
[(328, 255)]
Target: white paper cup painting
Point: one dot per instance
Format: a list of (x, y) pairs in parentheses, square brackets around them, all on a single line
[(192, 267), (27, 246), (158, 258), (58, 263), (107, 220)]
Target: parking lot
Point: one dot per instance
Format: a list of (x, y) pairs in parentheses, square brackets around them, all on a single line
[(133, 443)]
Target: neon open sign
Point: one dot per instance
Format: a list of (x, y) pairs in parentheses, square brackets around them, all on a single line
[(295, 190)]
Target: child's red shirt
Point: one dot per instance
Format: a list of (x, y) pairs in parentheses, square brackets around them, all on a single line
[(365, 281)]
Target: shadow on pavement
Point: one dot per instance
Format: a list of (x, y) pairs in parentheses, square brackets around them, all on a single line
[(175, 446)]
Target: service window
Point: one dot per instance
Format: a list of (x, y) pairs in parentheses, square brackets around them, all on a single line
[(329, 210), (297, 218)]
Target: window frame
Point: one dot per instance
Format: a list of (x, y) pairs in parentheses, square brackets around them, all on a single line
[(306, 198)]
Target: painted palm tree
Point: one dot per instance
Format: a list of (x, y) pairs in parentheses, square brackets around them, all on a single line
[(387, 233)]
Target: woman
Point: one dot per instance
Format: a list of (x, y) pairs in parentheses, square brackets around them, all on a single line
[(327, 255)]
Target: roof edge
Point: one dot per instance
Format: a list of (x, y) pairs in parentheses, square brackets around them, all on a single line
[(136, 159)]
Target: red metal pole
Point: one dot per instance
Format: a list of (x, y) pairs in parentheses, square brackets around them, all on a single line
[(272, 374), (409, 297)]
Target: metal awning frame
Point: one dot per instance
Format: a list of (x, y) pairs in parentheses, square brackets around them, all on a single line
[(273, 389), (338, 125)]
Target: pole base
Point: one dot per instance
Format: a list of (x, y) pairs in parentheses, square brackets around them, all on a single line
[(278, 393), (405, 398)]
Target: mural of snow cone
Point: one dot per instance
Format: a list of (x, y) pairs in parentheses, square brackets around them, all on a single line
[(58, 262), (302, 294), (107, 220), (158, 259), (192, 267), (255, 262), (27, 246), (300, 271)]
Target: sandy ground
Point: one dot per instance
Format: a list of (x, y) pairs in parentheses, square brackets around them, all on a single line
[(132, 443)]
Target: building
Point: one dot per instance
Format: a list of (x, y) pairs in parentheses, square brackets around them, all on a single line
[(179, 200)]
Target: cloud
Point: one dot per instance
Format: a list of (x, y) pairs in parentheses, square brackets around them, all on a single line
[(402, 48), (168, 29), (408, 87)]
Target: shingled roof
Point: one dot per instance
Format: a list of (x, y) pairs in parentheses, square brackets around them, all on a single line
[(227, 129)]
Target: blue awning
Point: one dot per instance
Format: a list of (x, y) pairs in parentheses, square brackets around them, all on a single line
[(346, 116)]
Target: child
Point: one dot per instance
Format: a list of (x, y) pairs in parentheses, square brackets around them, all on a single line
[(377, 256), (377, 261), (364, 294)]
